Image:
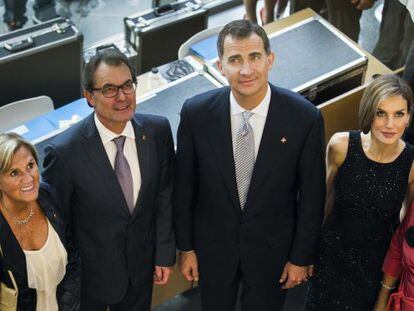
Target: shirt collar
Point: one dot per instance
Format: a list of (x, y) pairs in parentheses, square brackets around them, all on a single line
[(261, 109), (108, 135)]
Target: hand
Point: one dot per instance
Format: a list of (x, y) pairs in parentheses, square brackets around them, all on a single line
[(363, 4), (188, 265), (293, 275), (162, 274)]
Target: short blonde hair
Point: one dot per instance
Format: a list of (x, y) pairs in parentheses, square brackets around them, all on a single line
[(379, 90), (9, 144)]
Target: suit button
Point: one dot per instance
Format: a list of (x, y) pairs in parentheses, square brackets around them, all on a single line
[(241, 221), (54, 215)]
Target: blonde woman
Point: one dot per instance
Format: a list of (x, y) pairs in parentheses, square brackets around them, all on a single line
[(368, 175), (33, 239)]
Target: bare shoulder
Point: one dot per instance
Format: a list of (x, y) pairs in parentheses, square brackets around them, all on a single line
[(337, 148)]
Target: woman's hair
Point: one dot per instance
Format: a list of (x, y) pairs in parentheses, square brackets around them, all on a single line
[(379, 90), (9, 144)]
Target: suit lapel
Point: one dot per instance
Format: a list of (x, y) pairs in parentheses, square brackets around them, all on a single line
[(219, 133), (141, 138), (270, 144), (99, 160)]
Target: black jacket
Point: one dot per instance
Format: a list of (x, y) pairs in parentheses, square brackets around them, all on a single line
[(116, 248), (68, 291), (283, 212)]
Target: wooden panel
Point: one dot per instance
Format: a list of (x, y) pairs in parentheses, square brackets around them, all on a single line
[(341, 113)]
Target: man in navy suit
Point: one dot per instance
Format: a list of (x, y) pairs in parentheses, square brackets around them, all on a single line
[(114, 173), (250, 182)]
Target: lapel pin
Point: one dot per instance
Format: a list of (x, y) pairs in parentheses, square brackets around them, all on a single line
[(283, 140), (144, 137)]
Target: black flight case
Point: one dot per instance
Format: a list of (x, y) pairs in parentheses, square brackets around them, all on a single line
[(182, 83), (314, 59), (45, 59), (116, 42), (157, 34)]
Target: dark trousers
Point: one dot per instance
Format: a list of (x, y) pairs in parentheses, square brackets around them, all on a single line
[(135, 299), (15, 10), (396, 34), (257, 293), (409, 67), (409, 77), (297, 5), (344, 16)]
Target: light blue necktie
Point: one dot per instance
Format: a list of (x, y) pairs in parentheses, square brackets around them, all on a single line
[(244, 157)]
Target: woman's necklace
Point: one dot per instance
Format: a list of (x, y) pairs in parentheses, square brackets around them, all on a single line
[(19, 222)]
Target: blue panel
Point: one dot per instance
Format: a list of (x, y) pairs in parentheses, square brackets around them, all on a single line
[(78, 107)]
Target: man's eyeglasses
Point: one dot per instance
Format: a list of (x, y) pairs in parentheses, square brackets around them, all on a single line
[(110, 91)]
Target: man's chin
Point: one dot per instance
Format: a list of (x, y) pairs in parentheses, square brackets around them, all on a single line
[(127, 114), (248, 92)]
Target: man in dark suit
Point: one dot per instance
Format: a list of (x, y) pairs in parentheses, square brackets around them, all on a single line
[(114, 172), (250, 181)]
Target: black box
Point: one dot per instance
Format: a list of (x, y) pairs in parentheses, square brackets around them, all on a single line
[(116, 42), (213, 6), (168, 100), (157, 34), (314, 59), (45, 59)]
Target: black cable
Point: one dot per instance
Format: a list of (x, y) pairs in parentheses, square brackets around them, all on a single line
[(178, 69)]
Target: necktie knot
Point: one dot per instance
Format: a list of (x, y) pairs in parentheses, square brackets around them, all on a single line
[(246, 115), (119, 142), (245, 126)]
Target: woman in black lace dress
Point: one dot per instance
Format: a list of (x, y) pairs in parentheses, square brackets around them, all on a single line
[(368, 175)]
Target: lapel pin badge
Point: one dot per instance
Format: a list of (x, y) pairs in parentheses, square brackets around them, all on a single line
[(144, 137), (283, 140)]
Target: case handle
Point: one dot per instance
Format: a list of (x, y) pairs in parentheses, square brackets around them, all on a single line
[(108, 46), (163, 10), (16, 46)]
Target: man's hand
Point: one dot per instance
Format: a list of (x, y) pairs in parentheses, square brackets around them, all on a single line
[(293, 275), (162, 274), (188, 265), (363, 4)]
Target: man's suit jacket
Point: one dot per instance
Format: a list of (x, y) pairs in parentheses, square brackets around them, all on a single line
[(115, 246), (283, 212)]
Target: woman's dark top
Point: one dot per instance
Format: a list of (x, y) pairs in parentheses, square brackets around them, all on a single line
[(367, 199)]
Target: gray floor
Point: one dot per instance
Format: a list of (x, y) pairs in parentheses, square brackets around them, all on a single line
[(190, 301), (96, 19), (99, 19)]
